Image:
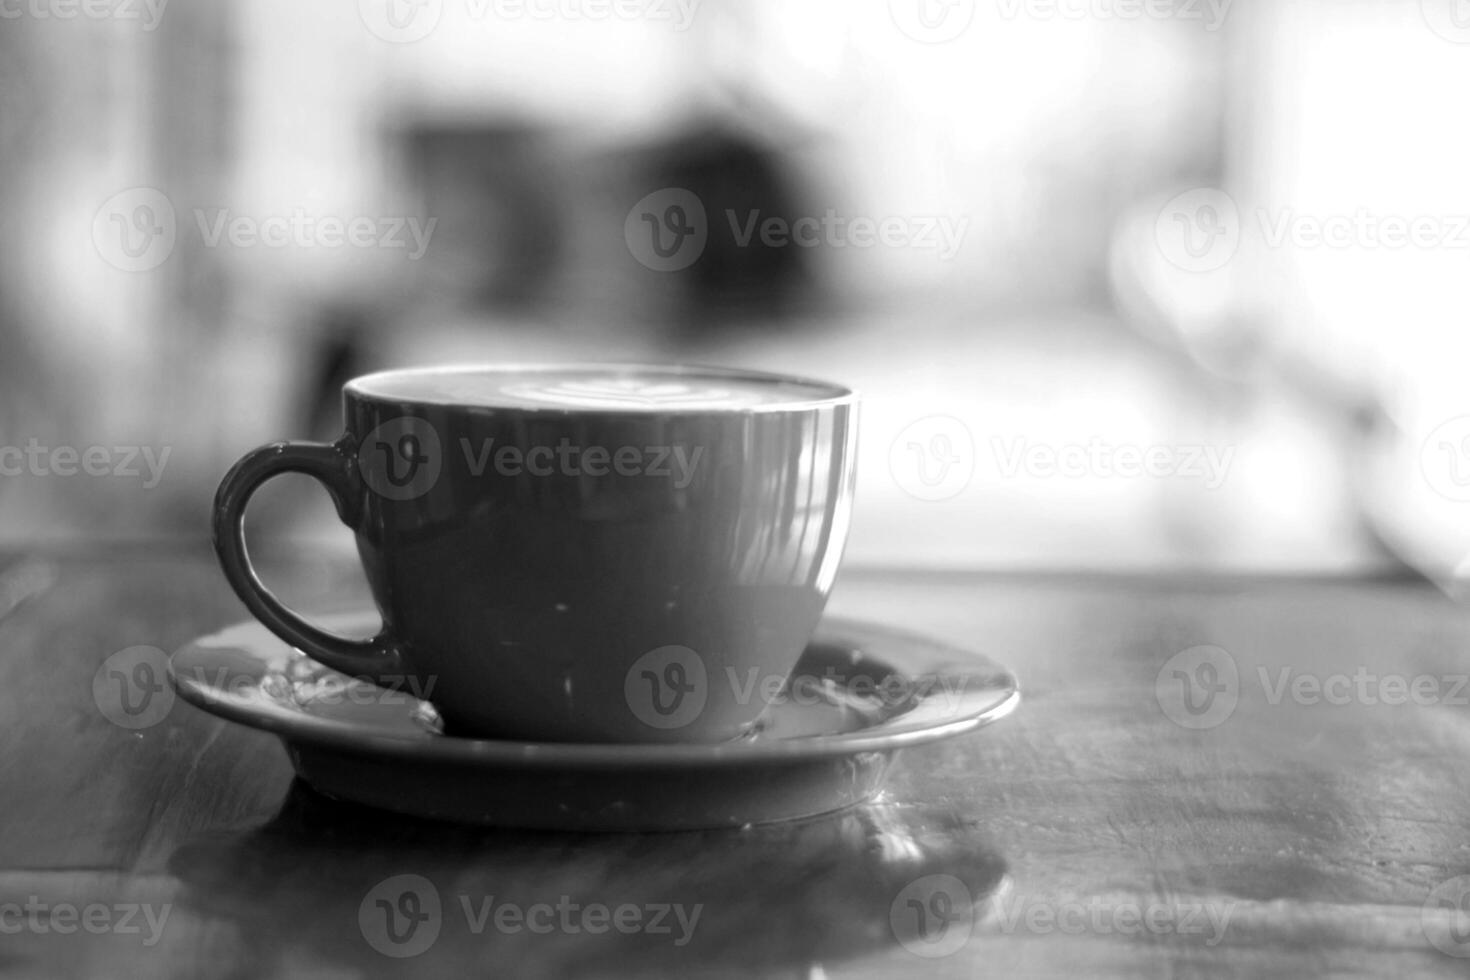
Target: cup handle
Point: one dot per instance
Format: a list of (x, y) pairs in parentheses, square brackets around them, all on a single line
[(334, 466)]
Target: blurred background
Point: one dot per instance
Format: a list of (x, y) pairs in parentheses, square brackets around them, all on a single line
[(1125, 284)]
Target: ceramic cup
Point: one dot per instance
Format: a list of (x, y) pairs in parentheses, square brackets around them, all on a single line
[(576, 553)]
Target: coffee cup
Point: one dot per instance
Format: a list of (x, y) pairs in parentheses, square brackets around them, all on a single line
[(575, 553)]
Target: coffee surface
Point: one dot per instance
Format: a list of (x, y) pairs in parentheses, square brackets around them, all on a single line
[(591, 388)]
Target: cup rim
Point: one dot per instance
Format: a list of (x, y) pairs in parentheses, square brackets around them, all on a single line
[(825, 393)]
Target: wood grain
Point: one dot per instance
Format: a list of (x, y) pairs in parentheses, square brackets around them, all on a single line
[(1310, 835)]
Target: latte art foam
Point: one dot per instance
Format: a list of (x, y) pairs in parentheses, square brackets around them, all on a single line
[(594, 388), (632, 393)]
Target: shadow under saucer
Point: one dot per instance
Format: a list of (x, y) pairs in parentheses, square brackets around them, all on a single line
[(327, 884)]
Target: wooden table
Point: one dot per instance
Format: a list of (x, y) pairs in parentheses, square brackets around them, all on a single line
[(1092, 835)]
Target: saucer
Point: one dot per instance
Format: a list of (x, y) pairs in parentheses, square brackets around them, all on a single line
[(859, 694)]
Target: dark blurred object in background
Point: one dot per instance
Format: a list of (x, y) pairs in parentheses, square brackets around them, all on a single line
[(753, 285), (500, 230)]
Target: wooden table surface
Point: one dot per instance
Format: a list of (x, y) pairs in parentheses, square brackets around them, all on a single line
[(1292, 825)]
